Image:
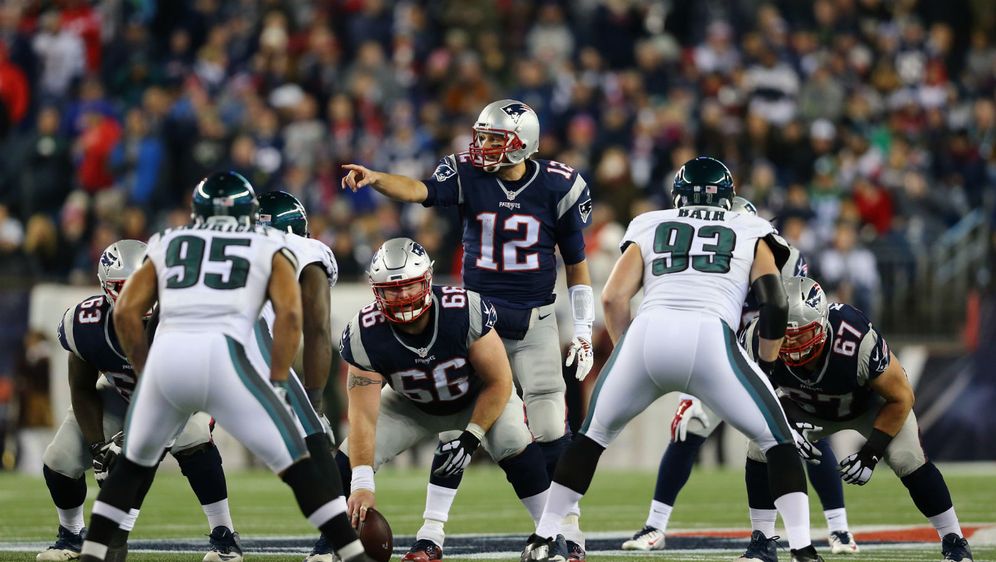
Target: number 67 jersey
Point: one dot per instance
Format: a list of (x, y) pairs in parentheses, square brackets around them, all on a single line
[(699, 258)]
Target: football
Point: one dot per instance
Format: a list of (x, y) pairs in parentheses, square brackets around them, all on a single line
[(375, 534)]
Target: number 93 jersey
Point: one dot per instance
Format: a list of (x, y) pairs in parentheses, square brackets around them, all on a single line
[(214, 277), (855, 353), (699, 258), (432, 369)]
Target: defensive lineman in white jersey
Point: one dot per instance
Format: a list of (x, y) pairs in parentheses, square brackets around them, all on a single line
[(695, 264), (211, 279)]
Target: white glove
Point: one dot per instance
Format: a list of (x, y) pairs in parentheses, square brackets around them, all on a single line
[(104, 456), (581, 349), (459, 452), (689, 408), (808, 451)]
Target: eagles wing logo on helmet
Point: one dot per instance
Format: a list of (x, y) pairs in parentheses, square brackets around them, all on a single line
[(515, 110), (813, 299)]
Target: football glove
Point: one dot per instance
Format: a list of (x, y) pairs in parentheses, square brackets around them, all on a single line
[(581, 350), (807, 450), (689, 408), (766, 366), (104, 454), (857, 468), (458, 453)]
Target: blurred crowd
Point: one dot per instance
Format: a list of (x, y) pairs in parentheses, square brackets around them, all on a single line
[(863, 128)]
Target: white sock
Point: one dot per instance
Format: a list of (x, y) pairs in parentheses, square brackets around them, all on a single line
[(559, 502), (129, 522), (836, 519), (438, 501), (794, 508), (432, 530), (535, 504), (660, 514), (763, 520), (570, 527), (218, 515), (946, 522), (71, 519)]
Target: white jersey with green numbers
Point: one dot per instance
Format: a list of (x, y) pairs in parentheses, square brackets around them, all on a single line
[(697, 258), (214, 277)]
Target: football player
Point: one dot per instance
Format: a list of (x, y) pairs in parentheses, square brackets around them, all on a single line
[(691, 427), (211, 279), (90, 435), (516, 211), (836, 372), (445, 369), (695, 263), (317, 272)]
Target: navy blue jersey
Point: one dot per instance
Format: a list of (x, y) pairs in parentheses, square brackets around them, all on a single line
[(87, 331), (511, 229), (432, 369), (855, 353)]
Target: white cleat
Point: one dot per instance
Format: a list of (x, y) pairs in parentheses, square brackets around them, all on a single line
[(646, 539), (842, 542)]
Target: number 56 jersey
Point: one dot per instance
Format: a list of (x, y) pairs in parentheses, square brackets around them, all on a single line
[(699, 258), (214, 277)]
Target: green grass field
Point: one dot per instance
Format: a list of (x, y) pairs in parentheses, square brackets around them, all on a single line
[(263, 507)]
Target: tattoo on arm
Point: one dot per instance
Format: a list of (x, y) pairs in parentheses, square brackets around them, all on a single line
[(356, 380)]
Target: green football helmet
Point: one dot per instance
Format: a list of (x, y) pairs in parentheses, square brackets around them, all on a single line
[(703, 181), (283, 211), (224, 194)]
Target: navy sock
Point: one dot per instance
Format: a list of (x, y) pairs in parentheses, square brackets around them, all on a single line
[(825, 477), (202, 467), (675, 468), (758, 490), (451, 482), (524, 472), (552, 451), (928, 490), (66, 492)]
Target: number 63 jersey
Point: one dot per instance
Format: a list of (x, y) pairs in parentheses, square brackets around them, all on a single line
[(214, 277), (432, 369), (699, 258)]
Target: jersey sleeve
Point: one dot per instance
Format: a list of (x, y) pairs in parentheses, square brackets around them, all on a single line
[(748, 339), (482, 317), (635, 232), (313, 251), (574, 206), (67, 338), (873, 356), (444, 186), (155, 252), (351, 346)]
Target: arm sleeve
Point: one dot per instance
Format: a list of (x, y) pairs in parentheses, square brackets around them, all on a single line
[(873, 356), (351, 346), (65, 331), (482, 317), (444, 188)]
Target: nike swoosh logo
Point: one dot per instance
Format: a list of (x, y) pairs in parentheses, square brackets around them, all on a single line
[(542, 316)]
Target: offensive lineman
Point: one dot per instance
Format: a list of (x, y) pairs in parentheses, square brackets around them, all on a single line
[(211, 279), (445, 370), (836, 372), (691, 427), (98, 411), (516, 211), (696, 263)]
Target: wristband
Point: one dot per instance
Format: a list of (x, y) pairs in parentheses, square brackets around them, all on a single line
[(363, 478), (476, 430), (582, 309), (878, 441)]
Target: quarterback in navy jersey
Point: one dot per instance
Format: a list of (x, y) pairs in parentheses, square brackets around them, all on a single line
[(835, 372), (517, 212), (445, 370), (91, 434)]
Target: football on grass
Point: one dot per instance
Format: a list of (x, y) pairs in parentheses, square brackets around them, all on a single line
[(375, 534)]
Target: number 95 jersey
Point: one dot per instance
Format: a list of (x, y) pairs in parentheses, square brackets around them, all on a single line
[(699, 258), (432, 369)]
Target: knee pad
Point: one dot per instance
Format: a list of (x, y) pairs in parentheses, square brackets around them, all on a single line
[(66, 492), (928, 490), (758, 489), (578, 463), (525, 471), (306, 482), (785, 472)]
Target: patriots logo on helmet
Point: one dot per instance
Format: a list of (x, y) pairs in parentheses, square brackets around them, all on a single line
[(516, 110), (815, 294), (417, 249), (109, 260)]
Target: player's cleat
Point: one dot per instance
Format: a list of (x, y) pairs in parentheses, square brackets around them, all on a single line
[(955, 548), (575, 552), (67, 546), (647, 538), (760, 549), (545, 550), (224, 546), (322, 552), (807, 554), (424, 550), (842, 542)]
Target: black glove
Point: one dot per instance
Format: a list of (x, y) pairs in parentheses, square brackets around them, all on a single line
[(858, 467), (767, 367), (104, 454), (459, 451)]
